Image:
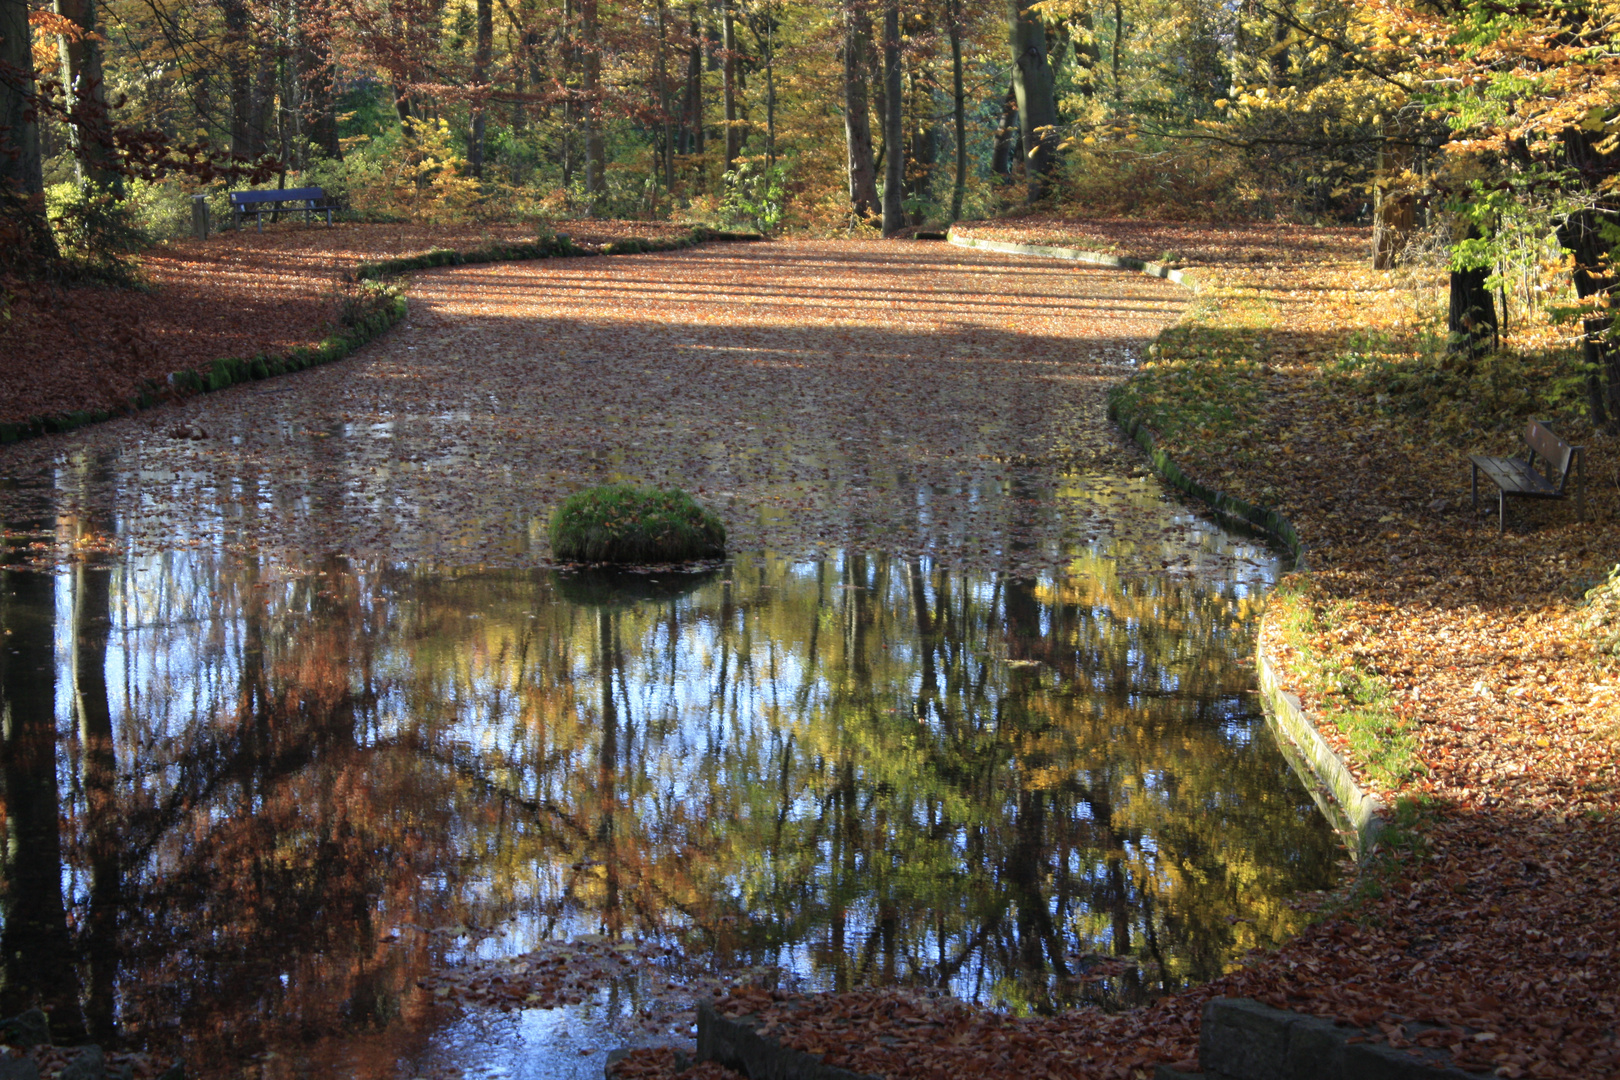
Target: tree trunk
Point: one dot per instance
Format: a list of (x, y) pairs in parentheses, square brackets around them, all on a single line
[(1009, 145), (591, 83), (863, 195), (1580, 236), (925, 139), (482, 54), (319, 82), (959, 95), (666, 148), (894, 136), (1394, 209), (1036, 91), (1119, 37), (81, 75), (1471, 316), (22, 185), (769, 48), (264, 102), (241, 76), (692, 109), (728, 71)]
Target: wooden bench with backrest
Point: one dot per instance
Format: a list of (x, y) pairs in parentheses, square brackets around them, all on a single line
[(1522, 478), (260, 203)]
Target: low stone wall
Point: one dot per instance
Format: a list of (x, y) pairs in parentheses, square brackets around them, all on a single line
[(738, 1043), (1240, 1040), (1245, 1040)]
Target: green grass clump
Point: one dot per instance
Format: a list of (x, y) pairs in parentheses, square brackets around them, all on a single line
[(622, 523)]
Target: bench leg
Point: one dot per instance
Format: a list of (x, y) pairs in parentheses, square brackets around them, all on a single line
[(1475, 485), (1501, 511)]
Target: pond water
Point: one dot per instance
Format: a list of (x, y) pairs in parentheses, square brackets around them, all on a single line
[(367, 818)]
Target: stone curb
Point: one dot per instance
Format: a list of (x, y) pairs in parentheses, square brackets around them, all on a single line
[(1242, 1039), (1358, 815), (737, 1043)]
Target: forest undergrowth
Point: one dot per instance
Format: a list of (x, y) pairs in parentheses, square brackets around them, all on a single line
[(1465, 675)]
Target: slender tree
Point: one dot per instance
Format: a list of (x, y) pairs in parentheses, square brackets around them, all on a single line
[(862, 171), (894, 136)]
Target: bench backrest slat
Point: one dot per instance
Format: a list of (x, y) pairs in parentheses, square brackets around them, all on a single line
[(1550, 448), (285, 195)]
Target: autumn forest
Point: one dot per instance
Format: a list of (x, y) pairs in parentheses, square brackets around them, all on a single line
[(1159, 463)]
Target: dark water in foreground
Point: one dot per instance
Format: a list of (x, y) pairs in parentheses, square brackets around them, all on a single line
[(249, 808)]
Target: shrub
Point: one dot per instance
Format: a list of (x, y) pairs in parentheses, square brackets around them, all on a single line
[(621, 523)]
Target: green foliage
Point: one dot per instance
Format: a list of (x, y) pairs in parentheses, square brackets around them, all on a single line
[(755, 196), (96, 232), (1460, 400), (1601, 618), (622, 523)]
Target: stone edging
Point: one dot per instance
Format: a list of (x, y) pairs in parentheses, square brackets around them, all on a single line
[(1357, 815), (1239, 1039), (738, 1043), (228, 371), (1095, 258)]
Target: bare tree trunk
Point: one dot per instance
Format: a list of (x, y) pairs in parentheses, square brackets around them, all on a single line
[(595, 149), (482, 55), (667, 148), (894, 136), (241, 76), (1394, 209), (728, 72), (953, 16), (1008, 142), (1119, 37), (692, 109), (81, 75), (769, 44), (925, 139), (863, 194), (264, 101), (1036, 91), (22, 184)]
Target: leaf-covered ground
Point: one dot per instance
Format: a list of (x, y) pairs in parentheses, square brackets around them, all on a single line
[(1487, 924), (914, 397), (237, 294)]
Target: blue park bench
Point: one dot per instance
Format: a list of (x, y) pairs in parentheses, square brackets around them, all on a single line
[(260, 203)]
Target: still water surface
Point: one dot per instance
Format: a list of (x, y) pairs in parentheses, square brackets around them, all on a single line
[(256, 810)]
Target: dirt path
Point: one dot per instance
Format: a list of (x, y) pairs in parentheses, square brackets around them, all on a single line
[(916, 397)]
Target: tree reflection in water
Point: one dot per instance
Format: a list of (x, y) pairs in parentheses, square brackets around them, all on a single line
[(287, 796)]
